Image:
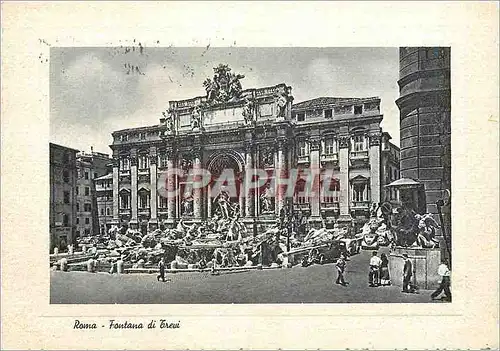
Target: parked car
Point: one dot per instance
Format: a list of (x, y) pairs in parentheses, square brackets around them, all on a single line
[(370, 242)]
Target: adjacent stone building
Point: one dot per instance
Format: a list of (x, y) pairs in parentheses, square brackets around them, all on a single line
[(62, 206), (89, 166), (104, 198), (425, 122), (241, 130)]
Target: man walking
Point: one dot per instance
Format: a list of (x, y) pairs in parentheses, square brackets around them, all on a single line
[(445, 274), (373, 276), (340, 264), (407, 273), (161, 266)]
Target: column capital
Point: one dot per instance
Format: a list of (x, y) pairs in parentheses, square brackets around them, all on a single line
[(343, 141), (314, 144), (250, 147), (375, 139), (153, 159), (170, 151), (133, 160)]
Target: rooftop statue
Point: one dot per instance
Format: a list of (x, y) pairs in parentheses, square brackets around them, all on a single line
[(224, 87)]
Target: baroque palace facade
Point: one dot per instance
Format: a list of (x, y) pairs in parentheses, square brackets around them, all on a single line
[(232, 128)]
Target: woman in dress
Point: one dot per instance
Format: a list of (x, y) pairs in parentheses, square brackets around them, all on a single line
[(385, 279)]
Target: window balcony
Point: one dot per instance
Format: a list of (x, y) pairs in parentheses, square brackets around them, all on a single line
[(302, 206), (144, 212), (332, 159), (124, 172), (359, 155), (303, 159), (360, 205), (125, 211), (335, 206), (143, 171)]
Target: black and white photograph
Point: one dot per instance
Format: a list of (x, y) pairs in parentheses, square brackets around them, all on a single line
[(238, 175), (206, 175)]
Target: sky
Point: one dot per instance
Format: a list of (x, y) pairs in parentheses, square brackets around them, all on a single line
[(95, 91)]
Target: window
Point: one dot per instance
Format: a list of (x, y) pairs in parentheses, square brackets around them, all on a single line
[(162, 201), (124, 137), (65, 220), (331, 189), (87, 207), (77, 207), (95, 175), (87, 231), (358, 193), (77, 191), (328, 113), (125, 201), (143, 200), (330, 146), (358, 110), (303, 149), (142, 136), (108, 212), (66, 157), (66, 197), (87, 191), (301, 193), (163, 159), (86, 175), (359, 143), (124, 164), (301, 117), (102, 211), (66, 176), (87, 220), (143, 161), (395, 174), (77, 220)]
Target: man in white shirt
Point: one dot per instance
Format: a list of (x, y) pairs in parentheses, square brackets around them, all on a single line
[(373, 276), (445, 274)]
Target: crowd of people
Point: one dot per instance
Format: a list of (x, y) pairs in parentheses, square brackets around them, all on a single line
[(379, 275)]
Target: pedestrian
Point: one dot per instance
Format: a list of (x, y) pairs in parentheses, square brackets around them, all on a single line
[(161, 266), (385, 278), (407, 273), (340, 264), (373, 276), (113, 268), (445, 274)]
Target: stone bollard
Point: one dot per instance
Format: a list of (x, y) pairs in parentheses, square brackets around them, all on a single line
[(63, 264), (120, 267), (90, 264)]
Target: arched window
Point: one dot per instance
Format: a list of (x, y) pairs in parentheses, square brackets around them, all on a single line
[(143, 161), (330, 145), (125, 163)]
